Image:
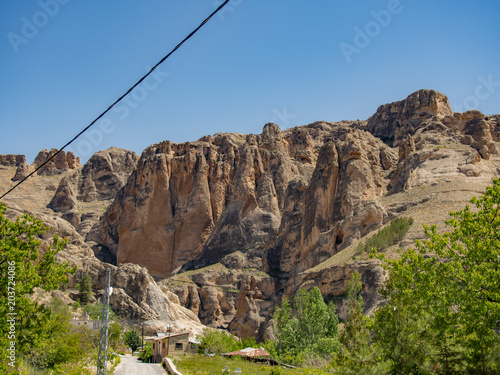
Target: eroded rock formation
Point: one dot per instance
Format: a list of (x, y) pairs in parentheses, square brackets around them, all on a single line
[(22, 171), (105, 173), (233, 223), (10, 160), (60, 163), (191, 204), (289, 200)]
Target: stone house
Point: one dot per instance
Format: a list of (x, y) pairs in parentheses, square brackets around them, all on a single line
[(87, 322), (171, 344)]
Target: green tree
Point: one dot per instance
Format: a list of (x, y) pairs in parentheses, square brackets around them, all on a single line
[(95, 311), (115, 335), (146, 352), (443, 296), (22, 269), (65, 349), (85, 289), (357, 354), (64, 345), (219, 342), (309, 330), (133, 340)]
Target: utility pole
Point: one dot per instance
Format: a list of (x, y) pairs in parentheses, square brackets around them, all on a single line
[(169, 328), (103, 339)]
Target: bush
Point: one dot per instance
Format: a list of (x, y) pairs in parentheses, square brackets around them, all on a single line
[(133, 340), (219, 342), (95, 311), (75, 306), (146, 352), (85, 289), (388, 236)]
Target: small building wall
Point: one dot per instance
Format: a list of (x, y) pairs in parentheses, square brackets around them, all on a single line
[(177, 345), (87, 323), (174, 345)]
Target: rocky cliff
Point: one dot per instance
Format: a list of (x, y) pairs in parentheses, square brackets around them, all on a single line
[(288, 202), (136, 297), (233, 223)]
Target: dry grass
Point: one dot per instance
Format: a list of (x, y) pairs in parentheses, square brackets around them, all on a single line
[(442, 198), (33, 195)]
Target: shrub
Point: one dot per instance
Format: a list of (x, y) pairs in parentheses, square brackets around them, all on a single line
[(388, 236), (95, 311), (219, 342), (133, 340), (85, 289), (146, 352)]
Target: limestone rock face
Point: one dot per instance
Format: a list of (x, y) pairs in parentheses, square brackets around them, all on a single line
[(333, 282), (231, 224), (77, 252), (105, 173), (64, 198), (338, 205), (286, 201), (100, 179), (10, 160), (23, 170), (393, 122), (138, 297), (445, 149), (191, 204), (230, 295), (61, 163), (64, 201), (180, 192)]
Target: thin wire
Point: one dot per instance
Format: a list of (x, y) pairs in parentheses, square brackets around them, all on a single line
[(120, 98)]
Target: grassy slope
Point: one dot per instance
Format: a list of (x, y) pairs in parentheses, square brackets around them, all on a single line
[(444, 197), (33, 194), (201, 365)]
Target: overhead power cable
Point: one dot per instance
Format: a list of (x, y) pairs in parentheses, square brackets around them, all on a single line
[(120, 98)]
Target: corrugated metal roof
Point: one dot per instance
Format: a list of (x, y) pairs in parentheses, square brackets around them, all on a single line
[(250, 352), (166, 336)]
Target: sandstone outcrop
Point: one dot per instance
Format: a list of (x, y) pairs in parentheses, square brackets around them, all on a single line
[(60, 163), (22, 171), (100, 179), (191, 204), (332, 282), (64, 199), (232, 294), (105, 173), (10, 160), (438, 150), (233, 223), (136, 296), (292, 200), (337, 206), (394, 121)]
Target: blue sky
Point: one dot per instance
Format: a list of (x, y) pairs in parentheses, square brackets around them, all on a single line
[(62, 62)]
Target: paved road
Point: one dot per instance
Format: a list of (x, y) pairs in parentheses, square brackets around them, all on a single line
[(132, 366)]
